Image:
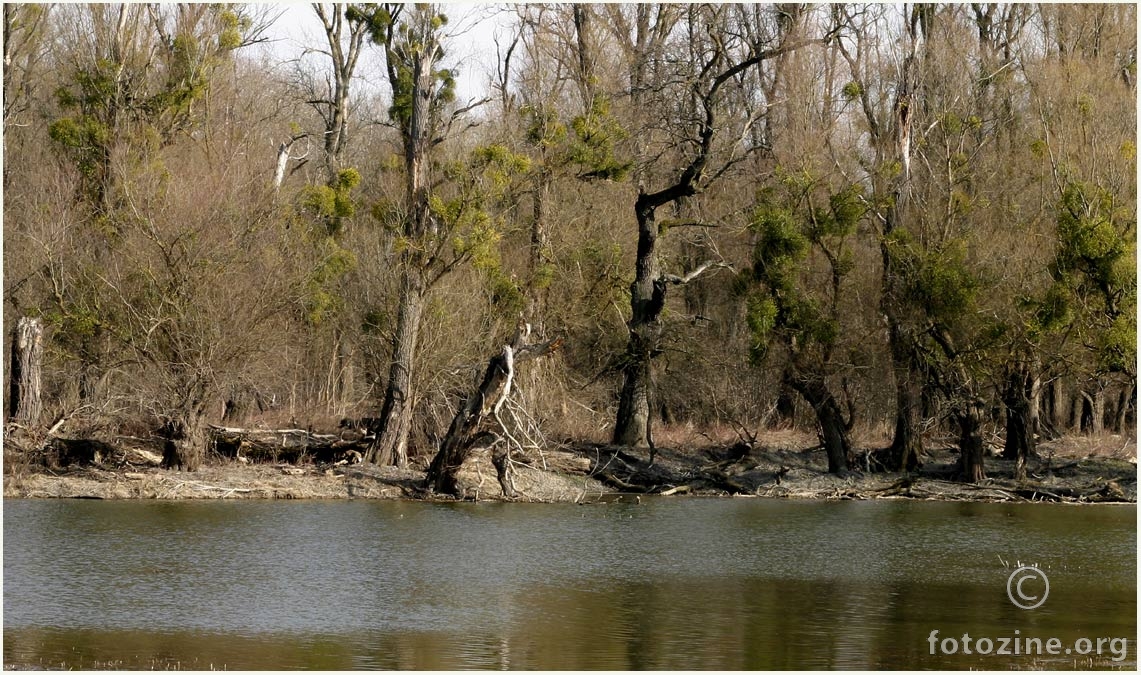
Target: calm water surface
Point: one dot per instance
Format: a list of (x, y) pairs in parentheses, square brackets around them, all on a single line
[(669, 584)]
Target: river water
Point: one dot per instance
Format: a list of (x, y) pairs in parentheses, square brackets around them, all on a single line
[(667, 584)]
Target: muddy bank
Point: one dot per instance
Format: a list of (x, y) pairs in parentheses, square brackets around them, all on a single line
[(1078, 470)]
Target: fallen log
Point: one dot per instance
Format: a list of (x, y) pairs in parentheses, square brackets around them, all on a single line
[(608, 478), (291, 446)]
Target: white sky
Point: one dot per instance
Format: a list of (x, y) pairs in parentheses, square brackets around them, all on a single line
[(472, 49)]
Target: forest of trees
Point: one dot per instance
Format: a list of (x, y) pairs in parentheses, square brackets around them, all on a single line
[(919, 219)]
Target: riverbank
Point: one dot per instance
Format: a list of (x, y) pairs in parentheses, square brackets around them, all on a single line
[(783, 465)]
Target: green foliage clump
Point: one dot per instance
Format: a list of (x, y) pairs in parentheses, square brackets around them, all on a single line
[(499, 165), (85, 137), (596, 136), (407, 40), (506, 295), (373, 321), (1116, 347), (937, 279), (1090, 241), (790, 223), (332, 203), (320, 301), (761, 317), (781, 246), (1052, 312), (233, 26), (1094, 269), (544, 129)]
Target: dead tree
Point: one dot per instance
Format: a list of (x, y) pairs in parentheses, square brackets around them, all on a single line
[(27, 354), (477, 424)]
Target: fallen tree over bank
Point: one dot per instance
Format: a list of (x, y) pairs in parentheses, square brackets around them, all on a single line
[(478, 423)]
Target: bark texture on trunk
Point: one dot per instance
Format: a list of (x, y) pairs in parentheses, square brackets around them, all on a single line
[(833, 428), (969, 417), (1093, 409), (1123, 413), (1052, 411), (420, 226), (184, 444), (395, 422), (906, 443), (24, 403), (647, 299), (1020, 397)]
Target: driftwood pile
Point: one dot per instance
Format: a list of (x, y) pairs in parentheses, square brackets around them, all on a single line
[(292, 446), (245, 446), (742, 470)]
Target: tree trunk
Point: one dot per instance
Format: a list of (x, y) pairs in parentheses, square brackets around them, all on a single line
[(634, 421), (647, 298), (786, 402), (343, 380), (391, 446), (906, 443), (1052, 416), (833, 431), (184, 445), (1093, 410), (24, 404), (1124, 407), (1077, 404), (462, 437), (1020, 397), (539, 259), (972, 450)]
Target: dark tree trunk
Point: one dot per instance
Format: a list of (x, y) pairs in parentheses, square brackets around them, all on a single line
[(501, 460), (1052, 413), (391, 445), (1020, 397), (237, 406), (833, 430), (1093, 410), (1074, 419), (786, 402), (24, 404), (647, 298), (972, 450), (906, 443), (463, 434)]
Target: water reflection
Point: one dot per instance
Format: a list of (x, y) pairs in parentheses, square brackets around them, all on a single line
[(670, 584)]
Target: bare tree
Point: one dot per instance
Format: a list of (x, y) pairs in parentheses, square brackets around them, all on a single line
[(724, 55)]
